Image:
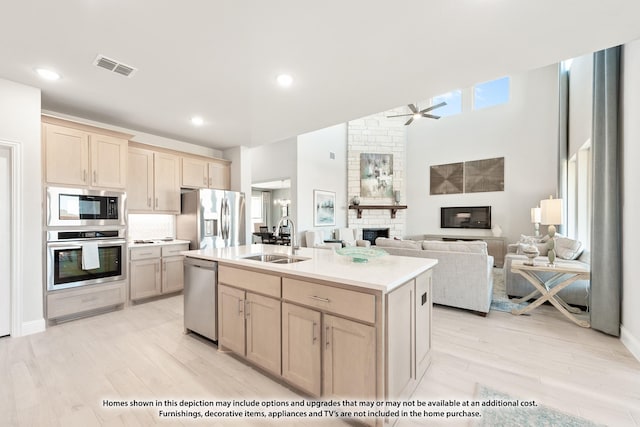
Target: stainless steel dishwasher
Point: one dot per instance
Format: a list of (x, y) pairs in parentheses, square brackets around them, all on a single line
[(200, 287)]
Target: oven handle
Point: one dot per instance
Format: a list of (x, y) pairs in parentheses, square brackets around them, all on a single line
[(75, 244)]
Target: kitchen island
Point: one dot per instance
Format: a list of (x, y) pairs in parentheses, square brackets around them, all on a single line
[(326, 325)]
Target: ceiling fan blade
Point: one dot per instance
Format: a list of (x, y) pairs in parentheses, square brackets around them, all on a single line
[(409, 121), (430, 116), (400, 115), (433, 107), (413, 108)]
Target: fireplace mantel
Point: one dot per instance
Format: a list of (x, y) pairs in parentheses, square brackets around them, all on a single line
[(392, 208)]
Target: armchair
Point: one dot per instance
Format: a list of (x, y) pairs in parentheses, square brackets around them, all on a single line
[(348, 237), (315, 239)]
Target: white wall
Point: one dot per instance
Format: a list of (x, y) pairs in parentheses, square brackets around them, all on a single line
[(631, 198), (241, 180), (317, 171), (20, 123), (523, 131)]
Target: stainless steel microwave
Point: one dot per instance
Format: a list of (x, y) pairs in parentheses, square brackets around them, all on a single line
[(70, 207)]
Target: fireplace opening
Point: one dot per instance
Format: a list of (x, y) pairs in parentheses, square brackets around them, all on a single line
[(371, 234)]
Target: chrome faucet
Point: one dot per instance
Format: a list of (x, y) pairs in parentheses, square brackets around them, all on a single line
[(294, 238)]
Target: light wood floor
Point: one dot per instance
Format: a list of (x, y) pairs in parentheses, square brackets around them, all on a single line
[(60, 377)]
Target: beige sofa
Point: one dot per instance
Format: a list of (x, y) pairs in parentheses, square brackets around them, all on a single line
[(463, 276)]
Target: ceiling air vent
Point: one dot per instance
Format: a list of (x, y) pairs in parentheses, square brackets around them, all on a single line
[(114, 66)]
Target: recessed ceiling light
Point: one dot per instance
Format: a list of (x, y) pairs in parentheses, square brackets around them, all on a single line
[(285, 80), (47, 74), (197, 121)]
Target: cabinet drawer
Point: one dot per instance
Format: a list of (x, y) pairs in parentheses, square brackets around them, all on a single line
[(145, 253), (64, 303), (260, 283), (335, 300), (174, 250)]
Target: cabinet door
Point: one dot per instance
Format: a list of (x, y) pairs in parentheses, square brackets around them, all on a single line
[(140, 180), (145, 278), (301, 347), (66, 155), (166, 178), (194, 173), (264, 332), (400, 343), (219, 176), (231, 319), (349, 365), (108, 161), (172, 274), (423, 312)]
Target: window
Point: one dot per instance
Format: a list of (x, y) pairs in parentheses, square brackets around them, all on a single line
[(488, 94), (579, 195), (454, 103), (256, 209)]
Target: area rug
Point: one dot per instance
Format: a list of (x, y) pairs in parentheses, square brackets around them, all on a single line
[(538, 416), (500, 301)]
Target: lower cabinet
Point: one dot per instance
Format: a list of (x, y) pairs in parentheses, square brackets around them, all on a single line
[(301, 347), (409, 317), (156, 270), (349, 364), (249, 325)]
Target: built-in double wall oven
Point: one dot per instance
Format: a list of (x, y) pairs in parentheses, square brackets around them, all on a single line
[(86, 237)]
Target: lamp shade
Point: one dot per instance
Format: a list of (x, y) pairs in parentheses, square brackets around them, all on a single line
[(551, 211), (535, 216)]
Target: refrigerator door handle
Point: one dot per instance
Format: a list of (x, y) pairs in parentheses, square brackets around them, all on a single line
[(225, 219)]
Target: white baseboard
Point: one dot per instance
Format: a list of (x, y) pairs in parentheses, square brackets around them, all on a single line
[(631, 342), (33, 327)]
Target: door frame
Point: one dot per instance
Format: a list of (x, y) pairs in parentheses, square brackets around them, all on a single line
[(15, 236)]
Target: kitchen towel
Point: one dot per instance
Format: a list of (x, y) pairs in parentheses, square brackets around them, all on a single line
[(90, 256)]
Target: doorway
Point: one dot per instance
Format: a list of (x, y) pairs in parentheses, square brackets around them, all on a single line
[(5, 243)]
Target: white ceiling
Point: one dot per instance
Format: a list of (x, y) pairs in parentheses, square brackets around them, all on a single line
[(349, 58)]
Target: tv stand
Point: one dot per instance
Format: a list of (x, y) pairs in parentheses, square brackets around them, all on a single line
[(496, 246)]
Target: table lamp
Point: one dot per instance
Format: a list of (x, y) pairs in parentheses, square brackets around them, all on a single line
[(551, 215), (535, 220)]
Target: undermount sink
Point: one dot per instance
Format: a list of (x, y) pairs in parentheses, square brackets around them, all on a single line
[(275, 258)]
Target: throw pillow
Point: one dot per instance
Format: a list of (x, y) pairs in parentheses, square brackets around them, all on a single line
[(568, 248)]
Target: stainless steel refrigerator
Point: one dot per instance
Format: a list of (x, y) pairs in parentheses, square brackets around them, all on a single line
[(212, 219)]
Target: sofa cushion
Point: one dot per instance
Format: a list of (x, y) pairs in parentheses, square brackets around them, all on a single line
[(476, 247), (543, 249), (396, 243), (568, 248)]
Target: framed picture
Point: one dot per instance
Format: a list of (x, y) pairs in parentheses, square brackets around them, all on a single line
[(324, 210), (376, 175)]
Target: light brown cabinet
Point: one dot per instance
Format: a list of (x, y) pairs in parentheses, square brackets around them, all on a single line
[(201, 173), (156, 270), (409, 316), (154, 182), (249, 325), (76, 156), (349, 362), (301, 347)]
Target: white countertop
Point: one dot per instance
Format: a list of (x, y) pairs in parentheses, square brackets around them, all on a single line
[(157, 242), (384, 273)]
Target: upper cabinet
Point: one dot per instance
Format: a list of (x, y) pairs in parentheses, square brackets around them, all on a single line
[(205, 173), (154, 182), (83, 156)]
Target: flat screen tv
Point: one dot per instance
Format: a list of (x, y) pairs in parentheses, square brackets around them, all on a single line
[(466, 217)]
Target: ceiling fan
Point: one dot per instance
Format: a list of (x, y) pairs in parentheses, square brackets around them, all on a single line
[(415, 114)]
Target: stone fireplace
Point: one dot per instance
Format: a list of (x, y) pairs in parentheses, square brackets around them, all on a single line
[(371, 234)]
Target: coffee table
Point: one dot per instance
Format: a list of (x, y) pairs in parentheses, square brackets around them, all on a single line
[(564, 275)]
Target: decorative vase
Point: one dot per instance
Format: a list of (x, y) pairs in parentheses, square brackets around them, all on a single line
[(531, 252), (496, 230), (396, 197), (355, 200)]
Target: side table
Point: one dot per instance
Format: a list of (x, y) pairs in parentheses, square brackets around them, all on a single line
[(565, 274)]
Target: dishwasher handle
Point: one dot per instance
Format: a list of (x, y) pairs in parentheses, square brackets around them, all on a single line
[(201, 263)]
